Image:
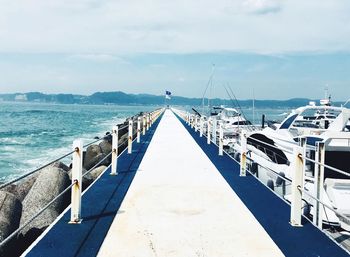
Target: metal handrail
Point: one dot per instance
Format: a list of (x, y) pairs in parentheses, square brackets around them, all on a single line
[(324, 204), (14, 233), (277, 174), (34, 171), (339, 214), (328, 167), (51, 162), (274, 146), (97, 164), (93, 142)]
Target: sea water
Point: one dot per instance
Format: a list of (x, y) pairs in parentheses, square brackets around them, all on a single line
[(33, 134)]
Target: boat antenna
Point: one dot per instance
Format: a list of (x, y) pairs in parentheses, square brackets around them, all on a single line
[(207, 86)]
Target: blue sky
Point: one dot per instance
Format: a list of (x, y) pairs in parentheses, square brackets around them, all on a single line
[(279, 49)]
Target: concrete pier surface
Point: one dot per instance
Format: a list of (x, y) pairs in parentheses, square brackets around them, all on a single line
[(179, 205)]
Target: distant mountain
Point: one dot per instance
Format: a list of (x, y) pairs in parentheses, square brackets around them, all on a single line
[(122, 98)]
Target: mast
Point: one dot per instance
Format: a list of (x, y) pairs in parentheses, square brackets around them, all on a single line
[(206, 88)]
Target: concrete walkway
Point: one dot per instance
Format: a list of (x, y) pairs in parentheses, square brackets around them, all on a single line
[(179, 205)]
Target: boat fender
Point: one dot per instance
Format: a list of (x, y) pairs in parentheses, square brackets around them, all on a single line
[(254, 168), (279, 180), (270, 184)]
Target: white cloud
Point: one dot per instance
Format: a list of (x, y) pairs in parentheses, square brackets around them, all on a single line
[(178, 26), (263, 6)]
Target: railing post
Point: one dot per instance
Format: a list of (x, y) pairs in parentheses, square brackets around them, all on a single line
[(195, 123), (208, 130), (318, 185), (130, 137), (201, 126), (150, 119), (297, 187), (144, 125), (192, 120), (77, 170), (147, 121), (214, 130), (138, 129), (243, 163), (114, 150), (221, 139)]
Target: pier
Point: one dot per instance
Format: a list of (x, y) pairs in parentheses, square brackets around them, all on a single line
[(174, 195)]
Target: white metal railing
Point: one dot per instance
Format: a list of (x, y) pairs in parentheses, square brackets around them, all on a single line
[(297, 165), (77, 168)]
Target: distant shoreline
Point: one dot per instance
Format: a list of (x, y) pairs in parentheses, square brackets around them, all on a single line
[(121, 98)]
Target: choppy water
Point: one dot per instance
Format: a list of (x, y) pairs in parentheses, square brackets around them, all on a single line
[(32, 134)]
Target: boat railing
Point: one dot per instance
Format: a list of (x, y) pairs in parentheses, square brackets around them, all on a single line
[(147, 119), (298, 169)]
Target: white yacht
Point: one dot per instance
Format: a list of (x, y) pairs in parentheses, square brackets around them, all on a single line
[(232, 122), (271, 148)]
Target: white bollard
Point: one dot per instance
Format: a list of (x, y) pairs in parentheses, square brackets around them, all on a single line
[(77, 170), (243, 164), (147, 128), (221, 140), (208, 131), (201, 121), (144, 125), (196, 123), (130, 137), (214, 131), (318, 184), (138, 129), (297, 186), (114, 150)]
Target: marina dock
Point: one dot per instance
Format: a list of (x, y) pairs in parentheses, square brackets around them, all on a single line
[(175, 196)]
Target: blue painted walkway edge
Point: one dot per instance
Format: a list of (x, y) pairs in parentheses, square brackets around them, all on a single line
[(271, 212), (100, 205)]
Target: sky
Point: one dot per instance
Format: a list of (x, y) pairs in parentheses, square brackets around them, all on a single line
[(267, 49)]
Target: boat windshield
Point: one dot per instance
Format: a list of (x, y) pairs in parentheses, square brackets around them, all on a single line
[(231, 113), (319, 118)]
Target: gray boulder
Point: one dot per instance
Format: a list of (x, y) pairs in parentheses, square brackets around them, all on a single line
[(96, 172), (122, 142), (61, 165), (87, 179), (21, 189), (10, 214), (50, 182), (70, 173), (106, 147), (91, 152), (90, 163)]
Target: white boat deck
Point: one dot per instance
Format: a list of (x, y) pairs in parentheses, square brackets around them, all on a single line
[(179, 205)]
